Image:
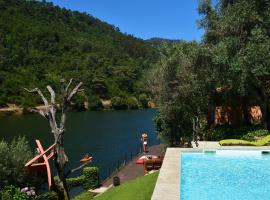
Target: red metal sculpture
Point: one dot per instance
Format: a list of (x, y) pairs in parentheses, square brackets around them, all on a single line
[(40, 162)]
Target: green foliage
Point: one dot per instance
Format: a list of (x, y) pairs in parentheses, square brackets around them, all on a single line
[(91, 175), (43, 43), (227, 132), (76, 181), (132, 103), (238, 34), (233, 142), (13, 157), (143, 99), (12, 193), (179, 91), (250, 136), (94, 102), (48, 196), (89, 179), (119, 103)]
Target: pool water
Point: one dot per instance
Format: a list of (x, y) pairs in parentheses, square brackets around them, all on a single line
[(225, 175)]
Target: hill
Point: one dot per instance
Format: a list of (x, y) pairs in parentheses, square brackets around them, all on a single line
[(41, 43), (158, 41)]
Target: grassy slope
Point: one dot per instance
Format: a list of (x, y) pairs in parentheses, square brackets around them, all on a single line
[(138, 189), (233, 142)]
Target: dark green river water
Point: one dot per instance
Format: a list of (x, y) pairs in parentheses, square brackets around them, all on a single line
[(110, 137)]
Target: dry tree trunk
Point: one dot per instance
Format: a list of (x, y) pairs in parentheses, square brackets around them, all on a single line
[(58, 130)]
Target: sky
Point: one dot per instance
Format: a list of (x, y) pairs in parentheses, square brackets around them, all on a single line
[(170, 19)]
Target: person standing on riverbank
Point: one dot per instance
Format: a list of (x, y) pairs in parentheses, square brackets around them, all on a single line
[(144, 140)]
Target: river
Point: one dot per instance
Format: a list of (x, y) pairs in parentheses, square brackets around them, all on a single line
[(110, 137)]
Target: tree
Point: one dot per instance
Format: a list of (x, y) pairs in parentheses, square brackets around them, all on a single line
[(58, 129), (13, 156), (179, 92), (238, 34)]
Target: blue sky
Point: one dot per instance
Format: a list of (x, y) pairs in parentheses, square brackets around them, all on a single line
[(171, 19)]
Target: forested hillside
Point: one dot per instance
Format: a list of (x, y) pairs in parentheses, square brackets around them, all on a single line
[(41, 43)]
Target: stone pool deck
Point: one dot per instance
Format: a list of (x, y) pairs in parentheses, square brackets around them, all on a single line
[(168, 182)]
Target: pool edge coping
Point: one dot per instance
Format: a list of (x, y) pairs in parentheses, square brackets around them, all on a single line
[(168, 183)]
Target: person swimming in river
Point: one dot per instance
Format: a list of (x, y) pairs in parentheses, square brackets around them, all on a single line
[(144, 140)]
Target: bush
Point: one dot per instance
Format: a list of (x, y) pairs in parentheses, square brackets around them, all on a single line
[(91, 175), (132, 103), (143, 99), (250, 136), (12, 193), (48, 196), (119, 103), (13, 157), (233, 142), (89, 179), (228, 132), (75, 182), (94, 102)]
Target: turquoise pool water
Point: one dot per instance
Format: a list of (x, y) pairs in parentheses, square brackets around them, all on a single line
[(225, 175)]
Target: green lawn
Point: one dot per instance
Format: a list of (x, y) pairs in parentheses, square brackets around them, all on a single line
[(233, 142), (138, 189)]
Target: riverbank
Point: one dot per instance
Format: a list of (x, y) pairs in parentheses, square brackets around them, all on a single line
[(106, 106)]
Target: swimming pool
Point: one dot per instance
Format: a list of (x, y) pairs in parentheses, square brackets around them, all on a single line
[(225, 175)]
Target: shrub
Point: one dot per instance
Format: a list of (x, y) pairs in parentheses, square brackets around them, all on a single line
[(233, 142), (94, 102), (228, 132), (12, 193), (91, 175), (89, 179), (48, 196), (132, 103), (250, 136), (75, 182), (119, 103), (143, 99), (13, 157)]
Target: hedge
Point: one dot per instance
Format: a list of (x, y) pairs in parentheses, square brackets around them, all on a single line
[(89, 179), (233, 142)]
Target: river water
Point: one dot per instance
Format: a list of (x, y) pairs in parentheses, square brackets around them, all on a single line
[(111, 137)]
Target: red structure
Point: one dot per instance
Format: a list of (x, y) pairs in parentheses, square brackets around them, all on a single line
[(40, 163)]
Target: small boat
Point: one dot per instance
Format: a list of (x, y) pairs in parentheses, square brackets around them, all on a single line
[(86, 158)]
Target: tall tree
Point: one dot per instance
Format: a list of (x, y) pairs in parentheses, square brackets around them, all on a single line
[(58, 129), (237, 31)]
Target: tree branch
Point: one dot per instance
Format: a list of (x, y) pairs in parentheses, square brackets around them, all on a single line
[(74, 91), (52, 94), (68, 85), (45, 101), (39, 111)]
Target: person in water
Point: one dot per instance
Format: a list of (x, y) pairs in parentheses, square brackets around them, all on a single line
[(144, 140)]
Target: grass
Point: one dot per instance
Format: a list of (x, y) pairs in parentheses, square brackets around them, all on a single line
[(138, 189), (84, 196), (233, 142)]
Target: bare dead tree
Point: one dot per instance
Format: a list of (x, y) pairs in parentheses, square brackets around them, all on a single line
[(58, 129)]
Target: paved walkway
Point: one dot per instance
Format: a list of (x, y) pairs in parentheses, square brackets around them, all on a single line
[(133, 170)]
